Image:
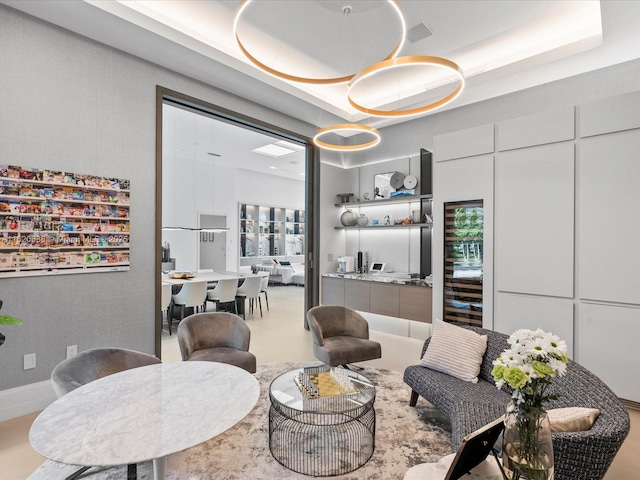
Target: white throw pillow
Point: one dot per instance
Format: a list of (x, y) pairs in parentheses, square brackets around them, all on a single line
[(572, 419), (455, 351)]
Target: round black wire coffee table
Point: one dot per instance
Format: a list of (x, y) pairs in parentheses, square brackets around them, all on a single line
[(322, 421)]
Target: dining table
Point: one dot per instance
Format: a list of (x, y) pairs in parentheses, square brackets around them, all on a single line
[(210, 278), (144, 413)]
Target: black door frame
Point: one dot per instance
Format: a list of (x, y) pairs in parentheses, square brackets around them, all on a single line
[(312, 193)]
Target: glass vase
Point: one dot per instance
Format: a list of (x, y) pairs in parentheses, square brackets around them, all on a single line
[(349, 218), (527, 452)]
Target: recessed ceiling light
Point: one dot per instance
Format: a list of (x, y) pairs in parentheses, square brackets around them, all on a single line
[(274, 150), (272, 167)]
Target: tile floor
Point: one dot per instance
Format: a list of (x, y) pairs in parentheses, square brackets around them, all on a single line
[(279, 336)]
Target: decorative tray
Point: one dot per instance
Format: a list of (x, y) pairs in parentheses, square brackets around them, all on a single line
[(185, 275), (325, 384)]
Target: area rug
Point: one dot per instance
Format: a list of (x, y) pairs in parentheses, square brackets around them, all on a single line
[(405, 436)]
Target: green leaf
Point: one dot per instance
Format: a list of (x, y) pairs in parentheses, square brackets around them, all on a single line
[(9, 320)]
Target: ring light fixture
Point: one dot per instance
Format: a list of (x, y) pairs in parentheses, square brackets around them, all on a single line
[(242, 7), (400, 62), (347, 127)]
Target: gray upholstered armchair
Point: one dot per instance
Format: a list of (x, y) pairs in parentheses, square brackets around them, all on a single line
[(91, 365), (216, 337), (341, 336)]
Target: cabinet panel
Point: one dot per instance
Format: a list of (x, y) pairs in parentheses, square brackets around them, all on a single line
[(385, 299), (538, 129), (356, 295), (533, 225), (607, 344), (555, 315), (610, 115), (332, 291), (415, 303), (609, 196), (464, 143)]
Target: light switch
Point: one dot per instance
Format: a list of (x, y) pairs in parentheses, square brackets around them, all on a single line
[(29, 361)]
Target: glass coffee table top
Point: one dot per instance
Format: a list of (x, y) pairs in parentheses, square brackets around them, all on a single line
[(322, 389)]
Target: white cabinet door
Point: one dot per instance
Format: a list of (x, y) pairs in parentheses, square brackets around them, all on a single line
[(534, 230), (608, 225)]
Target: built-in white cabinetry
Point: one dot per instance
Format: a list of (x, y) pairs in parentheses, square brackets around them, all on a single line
[(566, 199), (267, 231), (464, 171)]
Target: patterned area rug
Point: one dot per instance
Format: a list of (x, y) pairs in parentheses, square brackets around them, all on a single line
[(405, 436)]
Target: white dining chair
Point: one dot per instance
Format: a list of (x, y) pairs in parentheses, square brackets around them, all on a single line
[(224, 292), (165, 303), (251, 289), (264, 286), (191, 295)]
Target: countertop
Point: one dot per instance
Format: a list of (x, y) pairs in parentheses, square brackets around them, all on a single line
[(366, 277)]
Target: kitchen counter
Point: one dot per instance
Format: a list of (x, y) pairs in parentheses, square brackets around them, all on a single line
[(401, 298)]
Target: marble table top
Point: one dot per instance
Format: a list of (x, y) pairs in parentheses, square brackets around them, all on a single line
[(144, 413)]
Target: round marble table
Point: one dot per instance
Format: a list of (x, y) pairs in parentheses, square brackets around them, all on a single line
[(144, 414)]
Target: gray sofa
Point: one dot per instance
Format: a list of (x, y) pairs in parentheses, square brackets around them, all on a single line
[(578, 455)]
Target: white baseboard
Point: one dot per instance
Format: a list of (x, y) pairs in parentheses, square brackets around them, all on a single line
[(19, 401)]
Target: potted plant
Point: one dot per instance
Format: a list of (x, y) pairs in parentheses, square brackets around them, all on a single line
[(7, 320)]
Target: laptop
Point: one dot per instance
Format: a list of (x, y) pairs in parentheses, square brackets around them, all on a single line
[(475, 448)]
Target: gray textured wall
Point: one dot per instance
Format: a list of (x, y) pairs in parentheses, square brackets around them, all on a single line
[(68, 103)]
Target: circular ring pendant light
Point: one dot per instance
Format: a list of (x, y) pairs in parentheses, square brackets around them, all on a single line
[(242, 7), (400, 62), (346, 127)]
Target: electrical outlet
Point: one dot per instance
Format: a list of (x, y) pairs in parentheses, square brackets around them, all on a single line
[(29, 361), (72, 350)]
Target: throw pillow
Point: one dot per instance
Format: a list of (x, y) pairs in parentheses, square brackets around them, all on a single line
[(455, 351), (572, 419)]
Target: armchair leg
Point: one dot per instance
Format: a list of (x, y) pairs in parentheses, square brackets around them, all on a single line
[(132, 471), (266, 299), (260, 303), (414, 398), (351, 367)]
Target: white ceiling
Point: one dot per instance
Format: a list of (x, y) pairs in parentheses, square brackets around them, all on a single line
[(195, 137), (502, 46)]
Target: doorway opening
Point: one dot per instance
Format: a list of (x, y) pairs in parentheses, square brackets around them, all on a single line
[(206, 170)]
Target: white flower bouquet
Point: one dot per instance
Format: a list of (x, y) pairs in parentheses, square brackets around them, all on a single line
[(527, 367)]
